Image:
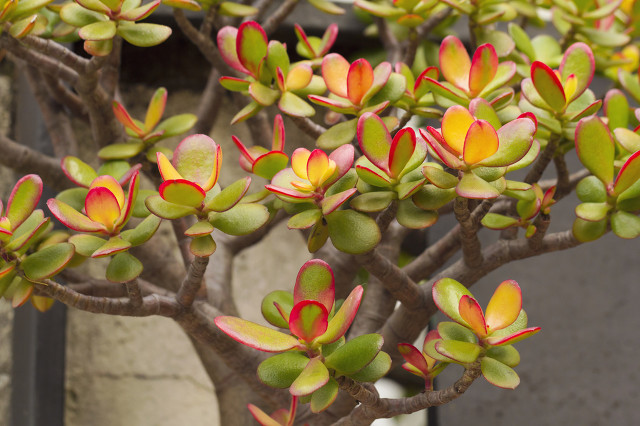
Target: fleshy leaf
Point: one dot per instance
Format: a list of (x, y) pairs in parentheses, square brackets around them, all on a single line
[(412, 217), (113, 245), (454, 62), (123, 267), (143, 231), (202, 246), (143, 35), (471, 313), (341, 321), (461, 352), (354, 355), (182, 192), (324, 397), (241, 219), (484, 66), (48, 261), (198, 158), (374, 140), (628, 175), (499, 374), (230, 196), (359, 80), (480, 142), (334, 72), (504, 306), (414, 357), (280, 371), (625, 225), (455, 124), (165, 209), (595, 148), (308, 319), (447, 294), (314, 376), (23, 199), (353, 232), (401, 150), (548, 85), (272, 313), (507, 355), (472, 186), (73, 219), (78, 171), (305, 219), (372, 201), (515, 139), (255, 335), (315, 282), (578, 60)]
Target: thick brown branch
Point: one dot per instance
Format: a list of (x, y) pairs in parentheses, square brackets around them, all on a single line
[(58, 52), (192, 282), (46, 64), (151, 305), (471, 248), (308, 126), (541, 164)]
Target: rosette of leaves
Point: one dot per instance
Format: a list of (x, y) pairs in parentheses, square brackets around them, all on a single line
[(476, 335), (270, 76), (23, 16), (606, 198), (190, 187), (260, 161), (479, 152), (421, 364), (82, 175), (590, 21), (25, 255), (315, 48), (144, 134), (107, 209), (316, 186), (418, 98), (100, 21), (531, 203), (315, 352), (468, 78), (390, 171), (355, 89), (560, 98), (407, 13)]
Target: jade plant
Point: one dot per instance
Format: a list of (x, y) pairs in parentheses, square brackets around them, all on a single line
[(412, 126)]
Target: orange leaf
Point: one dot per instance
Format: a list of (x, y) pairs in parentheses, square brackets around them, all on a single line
[(454, 62), (481, 142), (359, 80), (484, 66), (102, 207), (504, 306), (471, 312), (334, 72), (455, 124)]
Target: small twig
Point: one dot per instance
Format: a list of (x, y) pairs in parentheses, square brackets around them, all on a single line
[(543, 161), (110, 74), (388, 39), (277, 17), (133, 291), (151, 305), (308, 126), (542, 225), (386, 216), (192, 282), (206, 28), (412, 47), (471, 248)]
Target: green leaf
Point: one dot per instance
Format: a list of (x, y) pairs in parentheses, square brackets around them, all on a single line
[(629, 174), (229, 196), (356, 354), (123, 267), (295, 106), (474, 187), (341, 321), (338, 135), (604, 38), (595, 148), (629, 140), (269, 164), (412, 217), (548, 86), (176, 125), (203, 246), (353, 232), (227, 8), (86, 244), (167, 210), (375, 370), (522, 41), (78, 171), (77, 16), (121, 151), (439, 177), (586, 231), (324, 397), (593, 212), (256, 336), (578, 60), (625, 225), (242, 219), (47, 262), (373, 201), (269, 311), (115, 244), (182, 192), (20, 291), (102, 30), (499, 374), (460, 352), (142, 232), (317, 238), (327, 7), (447, 293), (430, 197), (305, 219), (23, 199), (262, 94), (515, 139), (280, 371), (453, 331), (143, 35), (507, 355), (498, 221), (314, 376)]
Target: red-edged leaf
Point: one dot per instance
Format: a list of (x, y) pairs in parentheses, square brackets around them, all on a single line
[(548, 85), (198, 159), (414, 357), (73, 219), (308, 319), (401, 150), (123, 117), (438, 146), (628, 175), (251, 46), (454, 62), (341, 321), (484, 66), (261, 417), (226, 39), (374, 140), (359, 80), (102, 206), (481, 142), (277, 142), (333, 202), (182, 192), (315, 281), (23, 199), (256, 336), (471, 312), (578, 60), (504, 307), (334, 72), (513, 338), (314, 376), (595, 148)]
